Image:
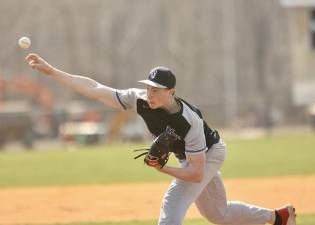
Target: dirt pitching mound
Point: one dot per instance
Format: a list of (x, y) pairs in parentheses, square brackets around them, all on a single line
[(135, 201)]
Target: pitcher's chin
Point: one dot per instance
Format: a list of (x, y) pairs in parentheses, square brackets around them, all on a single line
[(152, 105)]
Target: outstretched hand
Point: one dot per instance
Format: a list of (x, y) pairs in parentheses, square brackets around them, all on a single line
[(37, 63)]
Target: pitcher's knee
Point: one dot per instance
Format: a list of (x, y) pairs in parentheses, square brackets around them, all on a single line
[(215, 218)]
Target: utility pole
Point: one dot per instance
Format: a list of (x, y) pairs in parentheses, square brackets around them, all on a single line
[(229, 61)]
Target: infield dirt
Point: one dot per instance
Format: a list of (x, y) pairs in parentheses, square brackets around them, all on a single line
[(139, 201)]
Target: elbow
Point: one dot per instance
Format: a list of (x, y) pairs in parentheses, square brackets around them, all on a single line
[(198, 178)]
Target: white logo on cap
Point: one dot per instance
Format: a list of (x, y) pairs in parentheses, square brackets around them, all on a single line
[(152, 74)]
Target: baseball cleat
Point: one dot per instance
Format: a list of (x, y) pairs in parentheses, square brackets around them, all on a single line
[(287, 214)]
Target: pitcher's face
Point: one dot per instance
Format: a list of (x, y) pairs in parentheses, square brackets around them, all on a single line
[(158, 97)]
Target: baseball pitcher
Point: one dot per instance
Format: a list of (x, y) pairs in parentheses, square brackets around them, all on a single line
[(179, 128)]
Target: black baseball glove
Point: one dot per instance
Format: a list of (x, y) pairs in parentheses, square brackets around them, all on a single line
[(158, 153)]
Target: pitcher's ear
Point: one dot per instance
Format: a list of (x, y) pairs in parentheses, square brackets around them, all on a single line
[(172, 91)]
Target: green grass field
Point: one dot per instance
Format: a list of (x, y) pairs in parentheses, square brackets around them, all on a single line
[(272, 156), (275, 156)]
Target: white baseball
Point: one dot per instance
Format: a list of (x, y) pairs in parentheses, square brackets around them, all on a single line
[(24, 42)]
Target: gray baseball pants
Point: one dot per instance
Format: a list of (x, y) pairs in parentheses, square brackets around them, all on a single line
[(209, 197)]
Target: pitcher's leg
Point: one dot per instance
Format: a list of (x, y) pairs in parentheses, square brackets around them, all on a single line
[(179, 196), (213, 205)]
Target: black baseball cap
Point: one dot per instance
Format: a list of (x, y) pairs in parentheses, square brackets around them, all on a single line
[(160, 77)]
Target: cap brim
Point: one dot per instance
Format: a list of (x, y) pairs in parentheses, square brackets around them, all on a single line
[(151, 83)]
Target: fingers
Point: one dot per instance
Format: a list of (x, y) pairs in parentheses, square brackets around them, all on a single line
[(32, 64), (39, 64), (31, 57), (152, 163), (33, 60)]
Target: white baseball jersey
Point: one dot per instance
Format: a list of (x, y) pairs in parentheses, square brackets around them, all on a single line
[(186, 123), (196, 137)]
